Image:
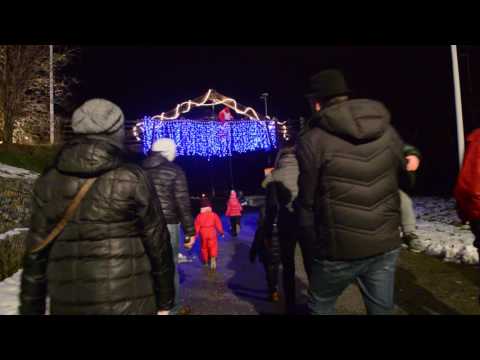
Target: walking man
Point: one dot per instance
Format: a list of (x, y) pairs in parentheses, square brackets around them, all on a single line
[(348, 202)]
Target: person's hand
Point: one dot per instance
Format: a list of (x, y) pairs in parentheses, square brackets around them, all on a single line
[(413, 162), (190, 243), (163, 312)]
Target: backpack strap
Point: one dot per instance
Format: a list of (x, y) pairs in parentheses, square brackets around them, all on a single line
[(72, 207)]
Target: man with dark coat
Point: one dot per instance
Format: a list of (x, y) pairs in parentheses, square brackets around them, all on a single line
[(114, 256), (172, 190), (348, 202)]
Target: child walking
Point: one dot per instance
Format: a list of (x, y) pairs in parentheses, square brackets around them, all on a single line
[(207, 225), (234, 212)]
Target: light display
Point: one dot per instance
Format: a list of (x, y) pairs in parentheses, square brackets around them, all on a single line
[(211, 98), (210, 138)]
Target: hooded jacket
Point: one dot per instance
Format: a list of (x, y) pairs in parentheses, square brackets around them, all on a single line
[(348, 185), (234, 208), (172, 190), (285, 176), (114, 256)]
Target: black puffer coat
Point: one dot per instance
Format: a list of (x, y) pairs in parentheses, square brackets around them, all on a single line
[(348, 186), (266, 243), (172, 190), (114, 256)]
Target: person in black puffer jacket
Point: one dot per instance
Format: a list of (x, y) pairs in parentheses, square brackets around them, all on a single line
[(114, 256), (266, 246), (348, 202), (172, 190)]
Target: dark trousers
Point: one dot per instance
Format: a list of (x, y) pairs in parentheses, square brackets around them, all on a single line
[(289, 237), (475, 227), (234, 221), (271, 273)]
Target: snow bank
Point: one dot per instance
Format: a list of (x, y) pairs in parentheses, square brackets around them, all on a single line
[(11, 172), (440, 233)]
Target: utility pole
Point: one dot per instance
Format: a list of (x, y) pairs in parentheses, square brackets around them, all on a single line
[(458, 104)]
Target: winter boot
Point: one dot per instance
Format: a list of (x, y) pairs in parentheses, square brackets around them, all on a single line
[(274, 297), (213, 264)]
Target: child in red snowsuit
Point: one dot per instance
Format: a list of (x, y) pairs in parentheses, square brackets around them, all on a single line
[(234, 212), (207, 225)]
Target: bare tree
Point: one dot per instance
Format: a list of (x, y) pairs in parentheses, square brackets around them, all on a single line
[(24, 83)]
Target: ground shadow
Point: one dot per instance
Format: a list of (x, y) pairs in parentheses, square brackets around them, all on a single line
[(249, 283), (248, 280), (416, 300)]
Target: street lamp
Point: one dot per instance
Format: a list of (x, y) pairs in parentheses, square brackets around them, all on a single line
[(264, 97), (458, 104)]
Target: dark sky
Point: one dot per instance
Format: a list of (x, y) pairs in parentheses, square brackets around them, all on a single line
[(415, 83)]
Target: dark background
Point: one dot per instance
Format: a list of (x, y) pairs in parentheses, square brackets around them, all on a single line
[(415, 82)]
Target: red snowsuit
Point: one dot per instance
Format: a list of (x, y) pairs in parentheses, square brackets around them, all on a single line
[(467, 189), (207, 224), (233, 206)]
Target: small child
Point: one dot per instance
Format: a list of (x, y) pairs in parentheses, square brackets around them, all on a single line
[(234, 212), (207, 225)]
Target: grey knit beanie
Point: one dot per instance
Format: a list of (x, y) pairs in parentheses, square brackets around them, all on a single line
[(97, 116)]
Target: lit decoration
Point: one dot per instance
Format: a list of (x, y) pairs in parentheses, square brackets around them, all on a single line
[(210, 138), (283, 130), (211, 98)]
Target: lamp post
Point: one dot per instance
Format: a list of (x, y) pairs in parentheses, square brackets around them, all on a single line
[(458, 104), (264, 97), (52, 120)]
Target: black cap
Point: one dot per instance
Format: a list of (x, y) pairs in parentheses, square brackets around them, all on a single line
[(328, 84)]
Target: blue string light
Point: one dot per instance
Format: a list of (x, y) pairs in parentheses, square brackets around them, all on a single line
[(211, 138)]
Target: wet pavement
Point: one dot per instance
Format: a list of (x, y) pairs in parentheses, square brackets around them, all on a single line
[(238, 287)]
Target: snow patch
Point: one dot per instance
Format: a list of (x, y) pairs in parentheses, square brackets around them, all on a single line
[(12, 172), (13, 232)]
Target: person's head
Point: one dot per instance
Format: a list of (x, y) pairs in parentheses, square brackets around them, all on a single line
[(166, 147), (100, 117), (233, 194), (329, 88), (204, 202)]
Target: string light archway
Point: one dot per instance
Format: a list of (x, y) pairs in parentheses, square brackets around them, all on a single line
[(209, 138)]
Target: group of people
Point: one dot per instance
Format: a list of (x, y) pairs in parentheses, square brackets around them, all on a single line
[(340, 192), (104, 235)]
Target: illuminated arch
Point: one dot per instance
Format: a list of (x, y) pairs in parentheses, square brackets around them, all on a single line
[(211, 98)]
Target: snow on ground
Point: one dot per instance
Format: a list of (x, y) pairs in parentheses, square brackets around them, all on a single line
[(7, 171), (9, 289), (13, 232), (440, 233)]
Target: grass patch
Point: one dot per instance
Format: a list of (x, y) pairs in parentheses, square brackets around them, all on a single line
[(427, 285), (35, 158), (12, 251)]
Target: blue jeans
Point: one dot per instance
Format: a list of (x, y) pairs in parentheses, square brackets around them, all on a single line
[(375, 277), (174, 230)]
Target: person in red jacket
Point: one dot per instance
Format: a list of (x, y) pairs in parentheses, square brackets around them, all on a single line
[(467, 189), (207, 225), (234, 212)]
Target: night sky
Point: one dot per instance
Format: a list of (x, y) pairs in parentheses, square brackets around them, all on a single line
[(415, 83)]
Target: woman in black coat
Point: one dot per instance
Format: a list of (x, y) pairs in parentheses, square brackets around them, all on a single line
[(266, 243)]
